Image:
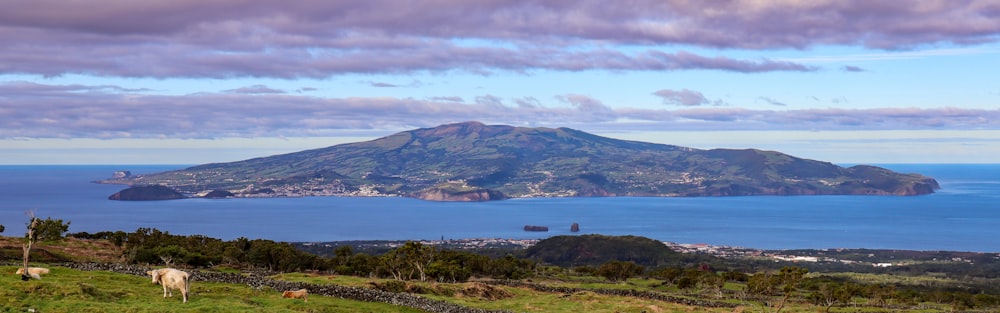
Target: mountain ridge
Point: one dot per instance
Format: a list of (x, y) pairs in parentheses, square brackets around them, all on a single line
[(471, 161)]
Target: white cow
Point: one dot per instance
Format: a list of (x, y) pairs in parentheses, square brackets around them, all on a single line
[(296, 294), (34, 272), (171, 279)]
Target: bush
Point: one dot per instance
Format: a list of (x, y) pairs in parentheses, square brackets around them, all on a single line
[(619, 270), (51, 230)]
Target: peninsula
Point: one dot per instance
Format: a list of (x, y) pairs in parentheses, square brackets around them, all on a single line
[(472, 161)]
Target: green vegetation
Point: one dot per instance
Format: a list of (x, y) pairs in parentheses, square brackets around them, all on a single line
[(619, 274), (50, 230), (71, 291), (595, 250)]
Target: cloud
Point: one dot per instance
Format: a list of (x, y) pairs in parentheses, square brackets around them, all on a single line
[(255, 89), (771, 101), (320, 39), (433, 56), (30, 88), (588, 108), (851, 68), (448, 99), (528, 103), (490, 101), (744, 24), (391, 85), (77, 111), (683, 97), (839, 100), (382, 85)]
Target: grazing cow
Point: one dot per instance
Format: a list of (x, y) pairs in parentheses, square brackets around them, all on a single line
[(34, 272), (297, 294), (171, 279)]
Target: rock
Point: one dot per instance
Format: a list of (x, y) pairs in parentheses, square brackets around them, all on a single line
[(574, 228), (217, 194), (147, 193), (535, 228), (441, 194)]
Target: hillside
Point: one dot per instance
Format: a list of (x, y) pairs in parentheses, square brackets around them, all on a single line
[(594, 250), (84, 274), (472, 162)]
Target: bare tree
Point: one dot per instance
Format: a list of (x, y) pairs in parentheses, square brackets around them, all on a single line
[(29, 239), (167, 260)]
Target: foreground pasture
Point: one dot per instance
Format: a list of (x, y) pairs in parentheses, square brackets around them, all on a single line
[(68, 290)]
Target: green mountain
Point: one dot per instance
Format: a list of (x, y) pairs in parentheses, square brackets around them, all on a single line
[(471, 162)]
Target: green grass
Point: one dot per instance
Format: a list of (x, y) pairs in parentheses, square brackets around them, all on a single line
[(922, 280), (523, 299), (68, 290)]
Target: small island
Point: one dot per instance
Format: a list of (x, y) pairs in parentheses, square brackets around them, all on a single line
[(535, 228), (147, 193)]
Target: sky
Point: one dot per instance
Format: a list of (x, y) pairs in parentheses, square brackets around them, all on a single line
[(201, 81)]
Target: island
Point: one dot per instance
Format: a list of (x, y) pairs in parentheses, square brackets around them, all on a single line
[(147, 193), (471, 161)]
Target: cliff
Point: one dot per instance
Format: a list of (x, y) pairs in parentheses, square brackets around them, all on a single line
[(438, 194)]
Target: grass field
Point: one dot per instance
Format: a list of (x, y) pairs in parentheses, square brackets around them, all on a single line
[(514, 299), (68, 290)]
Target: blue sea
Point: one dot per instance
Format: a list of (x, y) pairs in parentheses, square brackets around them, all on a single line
[(963, 216)]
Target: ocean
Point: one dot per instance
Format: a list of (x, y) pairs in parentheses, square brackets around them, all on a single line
[(963, 216)]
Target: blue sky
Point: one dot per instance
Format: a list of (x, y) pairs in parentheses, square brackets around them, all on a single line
[(188, 82)]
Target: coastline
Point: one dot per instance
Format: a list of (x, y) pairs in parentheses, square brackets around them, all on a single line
[(880, 258), (766, 222)]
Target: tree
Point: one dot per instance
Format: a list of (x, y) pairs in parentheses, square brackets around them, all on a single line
[(30, 237), (118, 238), (669, 274), (767, 285), (619, 270), (51, 230), (509, 267), (879, 294), (412, 257), (393, 263), (831, 293)]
